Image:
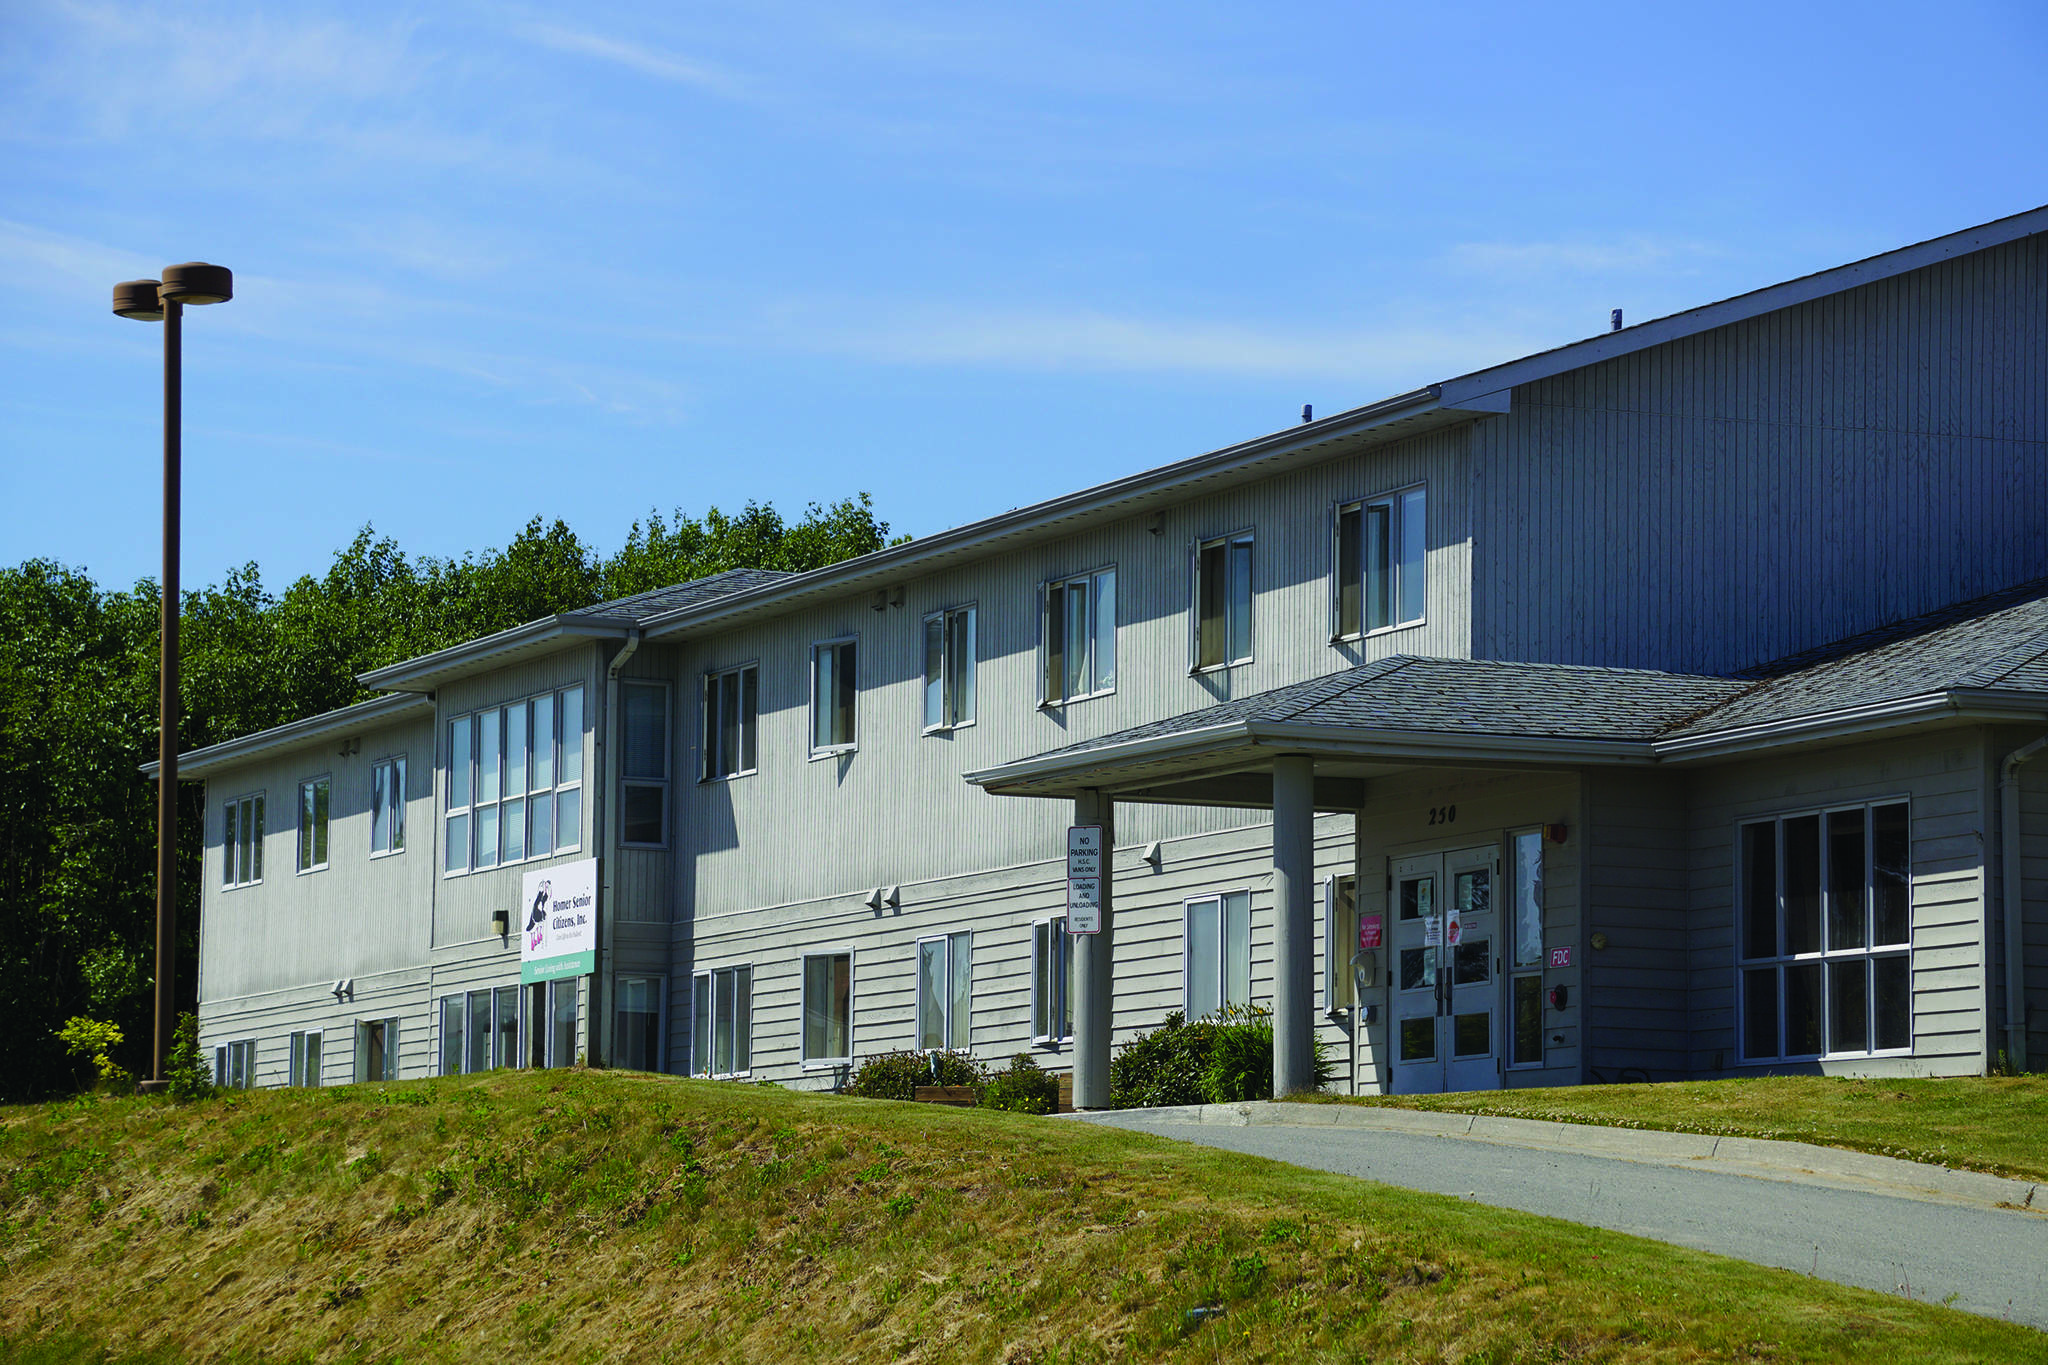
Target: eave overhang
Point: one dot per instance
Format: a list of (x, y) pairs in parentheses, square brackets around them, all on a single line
[(376, 711), (520, 643)]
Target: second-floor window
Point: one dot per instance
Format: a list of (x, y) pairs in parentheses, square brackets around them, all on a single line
[(833, 689), (644, 805), (314, 799), (1379, 577), (1079, 636), (387, 806), (515, 782), (241, 841), (732, 704), (949, 668), (1222, 631)]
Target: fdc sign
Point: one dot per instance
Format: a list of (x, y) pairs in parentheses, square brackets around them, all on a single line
[(558, 922)]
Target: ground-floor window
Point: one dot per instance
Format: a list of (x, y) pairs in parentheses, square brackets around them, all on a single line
[(377, 1050), (1525, 982), (1341, 948), (479, 1030), (551, 1006), (722, 1022), (234, 1064), (945, 990), (636, 1039), (1825, 930), (828, 1008), (305, 1059), (1052, 981), (1217, 960)]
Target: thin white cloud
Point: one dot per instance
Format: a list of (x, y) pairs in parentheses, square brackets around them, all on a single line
[(648, 61)]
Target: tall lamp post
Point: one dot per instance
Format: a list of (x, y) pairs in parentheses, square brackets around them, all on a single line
[(164, 301)]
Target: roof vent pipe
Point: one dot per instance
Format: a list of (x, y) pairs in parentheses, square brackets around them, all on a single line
[(1614, 321), (1308, 412)]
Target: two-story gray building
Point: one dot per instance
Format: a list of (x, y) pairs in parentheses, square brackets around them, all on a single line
[(1666, 704)]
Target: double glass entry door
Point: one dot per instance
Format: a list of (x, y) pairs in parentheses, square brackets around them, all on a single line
[(1446, 945)]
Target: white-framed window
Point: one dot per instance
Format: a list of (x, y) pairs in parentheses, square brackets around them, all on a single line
[(479, 1030), (305, 1062), (1825, 933), (722, 1022), (1525, 975), (732, 705), (549, 1025), (1380, 577), (828, 1008), (1340, 943), (316, 796), (1052, 980), (1077, 637), (241, 841), (949, 649), (1220, 624), (643, 821), (376, 1049), (387, 806), (636, 1035), (1217, 961), (515, 782), (835, 687), (945, 992), (234, 1064)]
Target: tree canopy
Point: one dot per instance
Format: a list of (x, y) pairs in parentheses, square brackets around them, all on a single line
[(78, 679)]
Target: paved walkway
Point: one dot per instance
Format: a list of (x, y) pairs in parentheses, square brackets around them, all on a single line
[(1977, 1241)]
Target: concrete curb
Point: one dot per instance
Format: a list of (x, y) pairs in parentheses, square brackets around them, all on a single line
[(1795, 1162)]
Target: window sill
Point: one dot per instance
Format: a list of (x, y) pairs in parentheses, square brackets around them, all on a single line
[(1223, 667), (387, 853), (1055, 703), (1356, 636), (309, 871), (947, 729), (726, 777), (834, 752), (243, 886), (826, 1063)]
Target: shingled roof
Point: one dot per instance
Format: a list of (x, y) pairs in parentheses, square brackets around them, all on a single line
[(644, 606)]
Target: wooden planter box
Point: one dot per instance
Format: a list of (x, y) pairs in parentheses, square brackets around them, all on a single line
[(962, 1096)]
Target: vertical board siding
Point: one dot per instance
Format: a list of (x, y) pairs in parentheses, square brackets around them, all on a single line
[(1736, 496), (1941, 777), (1635, 856)]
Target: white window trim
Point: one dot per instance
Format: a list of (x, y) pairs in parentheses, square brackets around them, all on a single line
[(1826, 955), (1046, 702), (223, 1063), (440, 1041), (701, 979), (819, 751), (1391, 497), (1187, 946), (398, 765), (1248, 535), (443, 776), (295, 1050), (303, 849), (664, 782), (946, 680), (390, 1023), (803, 985), (946, 1001), (707, 739), (1056, 932), (243, 801)]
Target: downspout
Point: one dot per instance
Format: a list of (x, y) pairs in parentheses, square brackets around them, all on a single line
[(2015, 916), (601, 1015)]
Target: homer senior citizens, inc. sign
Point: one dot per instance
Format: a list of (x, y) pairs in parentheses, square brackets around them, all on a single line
[(558, 934)]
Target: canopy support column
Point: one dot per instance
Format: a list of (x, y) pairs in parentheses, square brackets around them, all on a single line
[(1092, 983), (1294, 944)]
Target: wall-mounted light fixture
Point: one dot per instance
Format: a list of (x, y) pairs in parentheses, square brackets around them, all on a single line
[(1555, 833), (873, 900), (344, 989)]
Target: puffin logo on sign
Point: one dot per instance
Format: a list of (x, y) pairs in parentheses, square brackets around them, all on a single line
[(536, 918)]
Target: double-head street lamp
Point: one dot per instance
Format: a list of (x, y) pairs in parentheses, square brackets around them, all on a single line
[(164, 301)]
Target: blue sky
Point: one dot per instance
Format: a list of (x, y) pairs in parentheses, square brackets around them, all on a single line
[(497, 261)]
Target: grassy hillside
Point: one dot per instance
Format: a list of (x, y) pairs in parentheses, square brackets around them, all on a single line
[(577, 1216)]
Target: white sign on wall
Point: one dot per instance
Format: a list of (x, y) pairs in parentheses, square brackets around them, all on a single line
[(1084, 879), (558, 921)]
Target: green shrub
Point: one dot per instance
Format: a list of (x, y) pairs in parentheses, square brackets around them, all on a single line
[(97, 1039), (1221, 1060), (896, 1075), (189, 1076), (1022, 1088)]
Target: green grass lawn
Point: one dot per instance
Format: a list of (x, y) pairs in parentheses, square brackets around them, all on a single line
[(579, 1216), (1983, 1123)]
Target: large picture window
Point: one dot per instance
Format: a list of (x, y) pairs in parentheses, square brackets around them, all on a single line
[(834, 688), (1052, 981), (387, 806), (1218, 960), (315, 799), (828, 1008), (945, 988), (1825, 928), (949, 669), (722, 1013), (241, 841), (732, 702), (515, 782), (479, 1030), (1078, 637), (1379, 576), (1223, 602), (644, 815)]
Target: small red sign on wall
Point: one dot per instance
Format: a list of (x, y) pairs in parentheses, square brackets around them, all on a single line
[(1368, 931), (1560, 957)]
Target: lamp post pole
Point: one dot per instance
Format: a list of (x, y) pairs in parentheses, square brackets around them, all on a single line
[(151, 301)]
